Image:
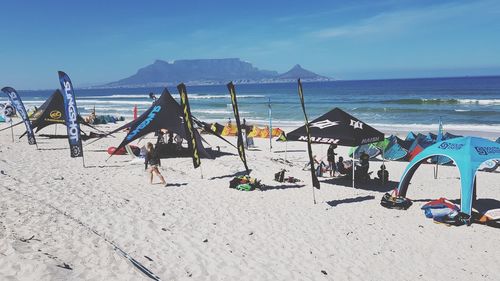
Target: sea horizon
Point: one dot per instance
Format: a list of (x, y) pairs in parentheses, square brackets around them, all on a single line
[(95, 86), (462, 103)]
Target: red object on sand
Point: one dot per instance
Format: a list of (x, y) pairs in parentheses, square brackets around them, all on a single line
[(135, 112), (121, 151)]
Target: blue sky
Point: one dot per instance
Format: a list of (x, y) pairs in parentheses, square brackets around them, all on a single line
[(103, 41)]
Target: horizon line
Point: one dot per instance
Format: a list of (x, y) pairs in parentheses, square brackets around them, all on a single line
[(331, 81)]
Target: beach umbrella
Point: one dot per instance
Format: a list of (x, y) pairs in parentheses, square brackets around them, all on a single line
[(468, 153)]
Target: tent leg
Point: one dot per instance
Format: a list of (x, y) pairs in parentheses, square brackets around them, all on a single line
[(286, 149), (383, 163), (474, 194), (11, 130), (353, 169), (436, 169), (314, 196), (201, 172)]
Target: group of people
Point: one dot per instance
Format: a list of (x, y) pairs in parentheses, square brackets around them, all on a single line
[(167, 137), (345, 167)]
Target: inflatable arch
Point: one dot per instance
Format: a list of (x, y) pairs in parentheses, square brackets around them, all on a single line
[(468, 153)]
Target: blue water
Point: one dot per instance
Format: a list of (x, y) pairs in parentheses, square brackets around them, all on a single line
[(467, 101)]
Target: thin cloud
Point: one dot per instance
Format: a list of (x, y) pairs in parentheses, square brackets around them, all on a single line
[(339, 10), (401, 20)]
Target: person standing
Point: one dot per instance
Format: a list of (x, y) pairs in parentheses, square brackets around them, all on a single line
[(331, 159), (152, 160)]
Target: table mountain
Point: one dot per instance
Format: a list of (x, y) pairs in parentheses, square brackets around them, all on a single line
[(210, 71)]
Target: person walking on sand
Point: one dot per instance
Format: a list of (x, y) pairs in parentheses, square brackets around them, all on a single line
[(153, 160)]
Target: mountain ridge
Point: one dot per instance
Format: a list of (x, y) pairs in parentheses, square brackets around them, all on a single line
[(210, 72)]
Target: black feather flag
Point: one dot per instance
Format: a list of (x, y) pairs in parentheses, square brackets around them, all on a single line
[(241, 147), (15, 99), (71, 114), (188, 125), (309, 149)]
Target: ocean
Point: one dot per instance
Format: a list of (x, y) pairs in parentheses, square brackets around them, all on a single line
[(467, 102)]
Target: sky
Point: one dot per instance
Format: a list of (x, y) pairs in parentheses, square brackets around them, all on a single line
[(96, 42)]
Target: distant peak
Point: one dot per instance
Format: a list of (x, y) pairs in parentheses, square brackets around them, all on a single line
[(298, 72), (160, 62)]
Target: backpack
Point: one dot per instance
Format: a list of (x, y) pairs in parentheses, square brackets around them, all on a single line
[(245, 183), (280, 176)]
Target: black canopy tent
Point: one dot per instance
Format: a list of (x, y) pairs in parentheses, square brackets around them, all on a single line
[(52, 112), (165, 113), (340, 128)]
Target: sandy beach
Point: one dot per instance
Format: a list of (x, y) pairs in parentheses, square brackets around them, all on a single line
[(59, 221)]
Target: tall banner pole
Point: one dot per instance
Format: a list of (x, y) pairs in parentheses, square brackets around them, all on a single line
[(309, 148), (439, 138), (71, 116), (383, 171), (286, 149), (188, 126), (11, 129), (241, 146), (353, 169), (270, 126)]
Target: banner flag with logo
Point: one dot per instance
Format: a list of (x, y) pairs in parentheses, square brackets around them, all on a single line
[(15, 99), (308, 135), (71, 115), (240, 144), (188, 125)]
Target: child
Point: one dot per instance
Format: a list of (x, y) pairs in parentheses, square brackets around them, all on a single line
[(153, 160), (320, 168), (383, 174)]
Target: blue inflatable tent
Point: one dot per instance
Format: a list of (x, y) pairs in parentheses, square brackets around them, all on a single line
[(468, 153)]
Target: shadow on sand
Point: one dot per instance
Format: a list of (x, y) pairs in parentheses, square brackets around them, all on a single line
[(282, 186), (237, 174), (175, 184), (334, 203), (371, 185)]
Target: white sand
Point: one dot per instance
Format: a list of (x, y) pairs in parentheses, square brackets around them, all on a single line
[(199, 229)]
